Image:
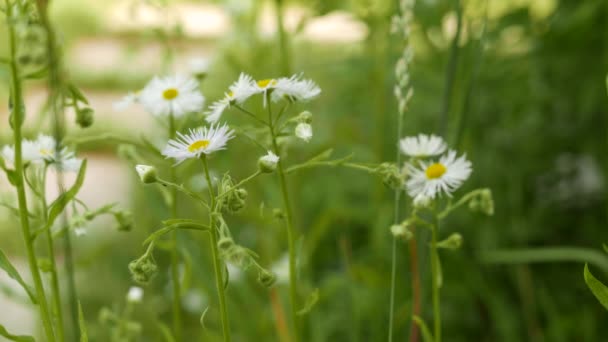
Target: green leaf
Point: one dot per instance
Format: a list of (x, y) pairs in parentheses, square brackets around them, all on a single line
[(82, 324), (600, 291), (12, 272), (322, 156), (18, 338), (165, 331), (56, 208), (36, 74), (77, 94), (312, 299), (426, 333)]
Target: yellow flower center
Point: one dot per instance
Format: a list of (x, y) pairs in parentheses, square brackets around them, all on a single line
[(230, 94), (435, 171), (197, 145), (170, 94), (46, 152), (265, 83)]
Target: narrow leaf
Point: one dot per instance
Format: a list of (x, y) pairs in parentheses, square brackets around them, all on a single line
[(84, 337), (6, 265), (165, 331), (78, 95), (426, 333), (312, 299), (600, 291), (322, 156), (60, 203), (11, 337)]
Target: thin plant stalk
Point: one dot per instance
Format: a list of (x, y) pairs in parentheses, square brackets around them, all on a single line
[(435, 284), (56, 298), (416, 289), (291, 238), (57, 107), (177, 315), (217, 266), (18, 113), (283, 44)]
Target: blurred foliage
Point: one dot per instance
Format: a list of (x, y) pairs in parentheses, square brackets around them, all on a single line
[(528, 106)]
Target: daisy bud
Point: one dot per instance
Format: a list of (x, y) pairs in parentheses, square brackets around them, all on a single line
[(84, 117), (147, 173), (453, 242), (266, 278), (421, 201), (268, 163), (135, 294), (483, 202), (143, 269), (225, 243), (391, 175), (401, 231), (304, 131), (124, 220), (304, 117)]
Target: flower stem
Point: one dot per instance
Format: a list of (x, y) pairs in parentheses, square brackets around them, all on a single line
[(177, 315), (18, 111), (435, 283), (416, 294), (54, 278), (217, 266), (291, 238)]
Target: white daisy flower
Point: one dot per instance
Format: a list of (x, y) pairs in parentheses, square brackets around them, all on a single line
[(422, 146), (29, 152), (433, 179), (204, 140), (265, 86), (135, 295), (126, 102), (304, 131), (199, 66), (173, 95), (65, 160), (295, 89), (238, 93)]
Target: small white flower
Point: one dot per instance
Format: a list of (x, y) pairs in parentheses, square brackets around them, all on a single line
[(126, 102), (204, 140), (281, 269), (65, 160), (268, 163), (421, 201), (422, 146), (304, 131), (199, 65), (173, 95), (239, 92), (444, 176), (135, 295), (29, 152), (295, 89)]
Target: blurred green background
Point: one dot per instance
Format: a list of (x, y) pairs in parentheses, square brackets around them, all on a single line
[(523, 93)]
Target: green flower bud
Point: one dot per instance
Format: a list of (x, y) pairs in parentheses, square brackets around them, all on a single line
[(143, 269), (225, 243), (304, 117), (391, 175), (125, 220), (453, 242), (266, 278), (106, 316), (401, 231), (268, 163), (44, 265), (85, 117), (483, 202), (147, 173)]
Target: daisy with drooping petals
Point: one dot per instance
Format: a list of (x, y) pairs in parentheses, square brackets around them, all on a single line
[(204, 140), (422, 146), (65, 160), (29, 152), (173, 95), (239, 92), (295, 89), (304, 131), (444, 176)]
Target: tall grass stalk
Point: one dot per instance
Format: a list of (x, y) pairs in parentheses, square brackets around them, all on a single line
[(17, 117)]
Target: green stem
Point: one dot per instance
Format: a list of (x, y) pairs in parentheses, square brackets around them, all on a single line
[(54, 278), (291, 238), (17, 114), (435, 284), (283, 44), (217, 266), (177, 314)]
